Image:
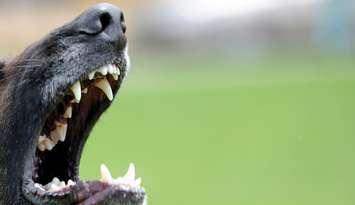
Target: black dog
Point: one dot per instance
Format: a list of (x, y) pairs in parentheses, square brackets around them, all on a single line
[(50, 98)]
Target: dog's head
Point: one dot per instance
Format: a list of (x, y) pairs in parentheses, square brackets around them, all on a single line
[(52, 96)]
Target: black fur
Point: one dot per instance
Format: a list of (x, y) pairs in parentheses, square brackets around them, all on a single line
[(35, 81)]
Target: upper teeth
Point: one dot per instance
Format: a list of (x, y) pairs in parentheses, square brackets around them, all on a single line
[(105, 86), (60, 131), (68, 112), (76, 89), (104, 70), (91, 75), (58, 134)]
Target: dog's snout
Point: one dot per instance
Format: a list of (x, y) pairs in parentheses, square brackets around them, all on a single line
[(105, 19)]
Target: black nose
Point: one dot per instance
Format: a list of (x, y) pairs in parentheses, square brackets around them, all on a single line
[(102, 19)]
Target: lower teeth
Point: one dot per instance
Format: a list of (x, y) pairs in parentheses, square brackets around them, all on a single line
[(126, 182)]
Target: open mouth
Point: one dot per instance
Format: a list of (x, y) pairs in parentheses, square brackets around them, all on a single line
[(52, 176)]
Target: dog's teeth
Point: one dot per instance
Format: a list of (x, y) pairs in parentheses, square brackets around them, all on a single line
[(118, 71), (76, 89), (38, 186), (55, 181), (105, 86), (91, 75), (70, 183), (41, 138), (53, 188), (111, 69), (103, 70), (105, 174), (85, 91), (131, 173), (40, 144), (115, 76), (41, 147), (68, 112), (62, 131), (49, 144), (55, 135), (62, 184)]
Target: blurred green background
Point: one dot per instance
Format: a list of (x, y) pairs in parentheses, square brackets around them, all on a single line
[(227, 102)]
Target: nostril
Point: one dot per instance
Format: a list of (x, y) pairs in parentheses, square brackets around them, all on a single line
[(105, 20)]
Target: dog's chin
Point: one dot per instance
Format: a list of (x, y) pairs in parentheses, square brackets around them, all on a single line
[(51, 172)]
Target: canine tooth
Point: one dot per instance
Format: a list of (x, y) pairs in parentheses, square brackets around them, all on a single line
[(68, 112), (85, 90), (105, 174), (60, 132), (103, 70), (76, 89), (131, 173), (105, 86), (91, 75)]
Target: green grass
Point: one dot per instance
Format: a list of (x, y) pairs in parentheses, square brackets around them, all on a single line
[(278, 132)]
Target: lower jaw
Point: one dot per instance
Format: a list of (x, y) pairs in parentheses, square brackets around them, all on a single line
[(107, 190)]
